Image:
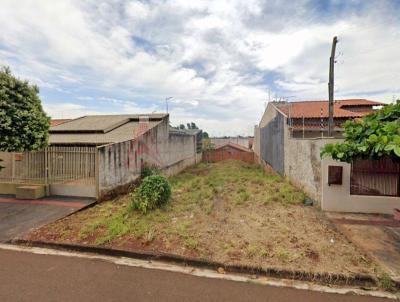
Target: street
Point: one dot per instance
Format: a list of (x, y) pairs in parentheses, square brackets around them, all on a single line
[(33, 277)]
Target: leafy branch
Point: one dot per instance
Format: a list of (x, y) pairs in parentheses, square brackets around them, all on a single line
[(376, 135)]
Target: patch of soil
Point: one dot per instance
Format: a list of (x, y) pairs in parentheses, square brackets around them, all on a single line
[(313, 255)]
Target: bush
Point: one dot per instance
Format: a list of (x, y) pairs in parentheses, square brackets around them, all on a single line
[(153, 192), (148, 171)]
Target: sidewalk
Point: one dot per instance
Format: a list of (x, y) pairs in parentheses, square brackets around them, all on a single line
[(20, 216), (377, 235)]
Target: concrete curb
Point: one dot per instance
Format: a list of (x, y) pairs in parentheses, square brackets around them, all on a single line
[(322, 278)]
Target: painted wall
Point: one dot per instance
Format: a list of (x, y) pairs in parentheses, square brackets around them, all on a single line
[(6, 172), (120, 164), (337, 198)]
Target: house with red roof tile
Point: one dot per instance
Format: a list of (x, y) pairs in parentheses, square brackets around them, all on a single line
[(289, 137), (309, 119)]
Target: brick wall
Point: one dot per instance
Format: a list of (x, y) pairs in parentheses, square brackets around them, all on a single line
[(227, 153)]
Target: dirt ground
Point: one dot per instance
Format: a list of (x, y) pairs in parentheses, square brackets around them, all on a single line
[(229, 212)]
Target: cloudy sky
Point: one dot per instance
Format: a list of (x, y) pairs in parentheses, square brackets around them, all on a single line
[(220, 60)]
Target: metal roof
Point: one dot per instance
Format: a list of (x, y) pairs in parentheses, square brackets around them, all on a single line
[(100, 129), (101, 123)]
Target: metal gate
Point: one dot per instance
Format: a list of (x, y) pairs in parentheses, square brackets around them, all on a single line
[(67, 170)]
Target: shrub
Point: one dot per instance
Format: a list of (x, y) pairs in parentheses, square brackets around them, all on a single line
[(148, 171), (153, 192)]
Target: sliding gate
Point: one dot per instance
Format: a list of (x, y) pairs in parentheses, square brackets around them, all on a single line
[(67, 170)]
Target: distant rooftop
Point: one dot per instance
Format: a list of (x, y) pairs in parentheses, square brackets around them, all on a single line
[(349, 108), (100, 129), (233, 145), (55, 122)]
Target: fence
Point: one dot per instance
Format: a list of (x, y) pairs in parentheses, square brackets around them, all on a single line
[(52, 165), (375, 177)]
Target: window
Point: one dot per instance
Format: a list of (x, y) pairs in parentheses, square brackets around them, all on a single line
[(375, 177), (335, 175)]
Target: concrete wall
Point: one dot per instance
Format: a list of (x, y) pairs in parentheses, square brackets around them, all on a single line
[(120, 164), (272, 128), (337, 198), (303, 163), (181, 146), (6, 172), (315, 134), (8, 188), (298, 159), (179, 166), (256, 144), (242, 141)]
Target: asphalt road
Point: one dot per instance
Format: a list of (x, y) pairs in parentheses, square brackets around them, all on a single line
[(31, 277)]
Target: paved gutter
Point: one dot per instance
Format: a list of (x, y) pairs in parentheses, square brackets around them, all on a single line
[(361, 280)]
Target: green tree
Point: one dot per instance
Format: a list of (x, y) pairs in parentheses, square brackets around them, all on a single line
[(376, 135), (24, 125), (182, 126), (207, 144)]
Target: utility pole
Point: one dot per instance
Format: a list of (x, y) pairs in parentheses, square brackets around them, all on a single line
[(166, 102), (331, 85)]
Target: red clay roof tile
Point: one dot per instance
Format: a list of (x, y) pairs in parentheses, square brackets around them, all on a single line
[(312, 109)]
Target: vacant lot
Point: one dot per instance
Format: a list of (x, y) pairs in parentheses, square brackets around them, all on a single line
[(229, 212)]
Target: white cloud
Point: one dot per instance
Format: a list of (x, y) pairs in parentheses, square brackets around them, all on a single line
[(137, 10), (85, 98), (216, 58), (68, 110)]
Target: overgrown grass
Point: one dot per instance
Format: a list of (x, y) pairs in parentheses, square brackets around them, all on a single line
[(197, 188), (228, 212), (386, 282)]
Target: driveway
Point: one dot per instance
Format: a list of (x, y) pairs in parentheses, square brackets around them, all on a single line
[(20, 216), (377, 235)]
